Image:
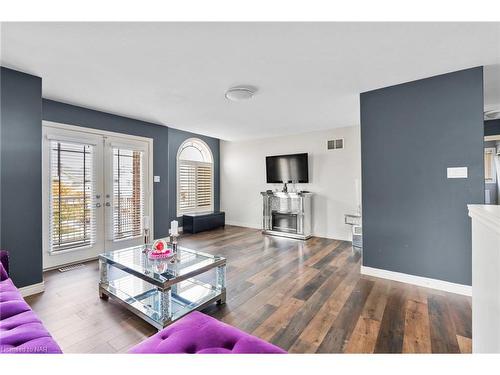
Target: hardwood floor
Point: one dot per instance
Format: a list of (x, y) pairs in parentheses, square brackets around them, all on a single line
[(307, 297)]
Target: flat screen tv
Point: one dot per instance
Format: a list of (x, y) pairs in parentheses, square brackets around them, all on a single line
[(287, 168)]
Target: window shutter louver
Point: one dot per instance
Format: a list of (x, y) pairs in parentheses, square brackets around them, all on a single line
[(72, 189), (204, 186), (187, 186), (195, 186), (128, 193), (488, 165)]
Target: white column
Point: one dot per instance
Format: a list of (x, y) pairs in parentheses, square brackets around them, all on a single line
[(485, 278)]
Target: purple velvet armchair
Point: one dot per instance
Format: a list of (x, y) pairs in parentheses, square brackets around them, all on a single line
[(20, 329), (197, 333)]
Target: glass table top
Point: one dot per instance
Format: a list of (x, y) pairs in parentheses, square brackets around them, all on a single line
[(162, 272)]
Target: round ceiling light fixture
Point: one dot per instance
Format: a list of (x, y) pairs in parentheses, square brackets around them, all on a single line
[(239, 93), (492, 115)]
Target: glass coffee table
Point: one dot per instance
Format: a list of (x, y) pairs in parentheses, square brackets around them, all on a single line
[(162, 291)]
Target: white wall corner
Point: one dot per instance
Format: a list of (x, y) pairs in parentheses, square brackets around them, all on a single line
[(446, 286), (32, 289)]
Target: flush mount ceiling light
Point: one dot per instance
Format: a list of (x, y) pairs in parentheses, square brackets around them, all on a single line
[(492, 115), (240, 93)]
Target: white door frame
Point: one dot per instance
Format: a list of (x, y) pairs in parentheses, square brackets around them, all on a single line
[(68, 257)]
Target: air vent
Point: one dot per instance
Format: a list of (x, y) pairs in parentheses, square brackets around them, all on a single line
[(71, 267), (335, 144)]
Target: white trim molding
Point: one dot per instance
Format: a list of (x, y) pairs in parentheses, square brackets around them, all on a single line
[(245, 225), (259, 226), (485, 278), (488, 215), (426, 282), (32, 289)]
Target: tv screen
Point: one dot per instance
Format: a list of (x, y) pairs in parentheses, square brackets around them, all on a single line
[(287, 168)]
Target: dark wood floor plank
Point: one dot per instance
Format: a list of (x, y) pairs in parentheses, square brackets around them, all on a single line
[(330, 256), (310, 287), (364, 336), (278, 319), (465, 344), (375, 304), (443, 334), (312, 335), (343, 326), (461, 314), (390, 337), (287, 336), (257, 317), (417, 330)]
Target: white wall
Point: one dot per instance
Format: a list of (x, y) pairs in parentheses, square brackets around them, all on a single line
[(332, 175)]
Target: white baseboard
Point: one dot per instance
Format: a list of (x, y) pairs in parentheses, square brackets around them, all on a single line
[(446, 286), (32, 289), (259, 226), (245, 225)]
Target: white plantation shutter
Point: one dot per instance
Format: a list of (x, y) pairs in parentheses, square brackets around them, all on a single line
[(489, 165), (128, 193), (204, 186), (72, 212), (187, 186), (195, 186), (194, 177)]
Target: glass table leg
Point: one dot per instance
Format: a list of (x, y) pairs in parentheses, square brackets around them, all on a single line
[(221, 283), (103, 277), (165, 305)]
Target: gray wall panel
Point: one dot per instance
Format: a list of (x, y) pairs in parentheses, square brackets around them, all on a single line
[(414, 218), (21, 180)]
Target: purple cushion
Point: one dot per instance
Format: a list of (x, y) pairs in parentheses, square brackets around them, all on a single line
[(201, 334), (20, 329), (4, 265), (3, 273)]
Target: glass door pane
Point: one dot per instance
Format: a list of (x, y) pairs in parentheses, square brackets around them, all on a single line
[(127, 192)]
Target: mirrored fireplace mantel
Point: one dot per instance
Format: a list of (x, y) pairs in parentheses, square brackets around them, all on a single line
[(287, 214)]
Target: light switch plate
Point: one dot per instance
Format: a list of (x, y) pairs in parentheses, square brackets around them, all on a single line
[(457, 172), (156, 178)]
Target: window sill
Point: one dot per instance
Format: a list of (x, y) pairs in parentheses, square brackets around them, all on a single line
[(180, 214), (60, 252)]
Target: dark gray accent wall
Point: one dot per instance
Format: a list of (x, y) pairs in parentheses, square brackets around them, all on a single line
[(175, 139), (21, 179), (414, 218), (492, 127), (74, 115)]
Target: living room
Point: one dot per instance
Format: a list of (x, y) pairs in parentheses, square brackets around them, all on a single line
[(248, 188)]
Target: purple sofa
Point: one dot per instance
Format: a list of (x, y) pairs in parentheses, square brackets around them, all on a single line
[(201, 334), (20, 329)]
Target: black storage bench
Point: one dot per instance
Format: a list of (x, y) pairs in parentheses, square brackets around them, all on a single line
[(194, 223)]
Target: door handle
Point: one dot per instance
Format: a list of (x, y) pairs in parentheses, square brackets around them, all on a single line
[(108, 204), (98, 205)]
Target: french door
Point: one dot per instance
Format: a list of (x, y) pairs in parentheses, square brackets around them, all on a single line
[(96, 191)]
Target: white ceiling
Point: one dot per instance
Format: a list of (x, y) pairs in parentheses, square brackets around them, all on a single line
[(309, 75)]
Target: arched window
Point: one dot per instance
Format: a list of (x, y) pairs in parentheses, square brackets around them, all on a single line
[(195, 170)]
